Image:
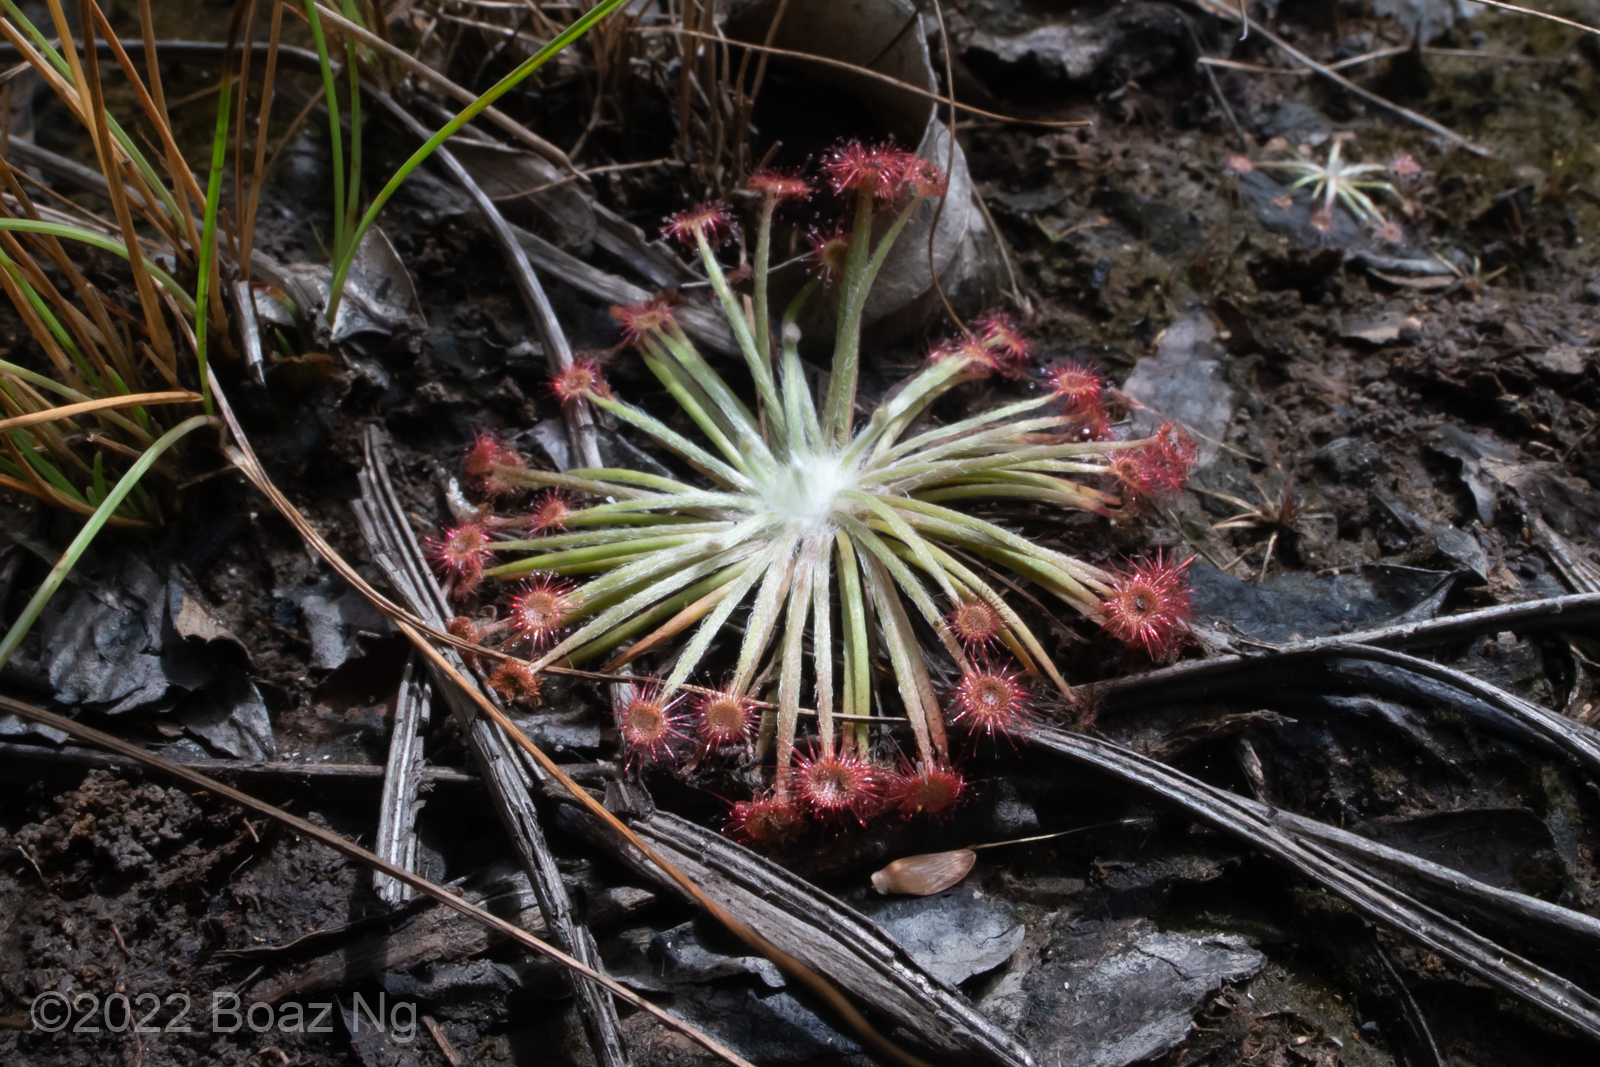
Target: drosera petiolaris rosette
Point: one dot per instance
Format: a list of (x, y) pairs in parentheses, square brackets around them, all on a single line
[(836, 538)]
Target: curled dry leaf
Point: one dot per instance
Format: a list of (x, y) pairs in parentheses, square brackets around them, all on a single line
[(925, 874)]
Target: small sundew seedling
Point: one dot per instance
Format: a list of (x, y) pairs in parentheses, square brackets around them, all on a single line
[(841, 542), (1002, 338), (1281, 514), (776, 187), (638, 322), (830, 251), (1158, 468), (482, 457), (1339, 181), (711, 222)]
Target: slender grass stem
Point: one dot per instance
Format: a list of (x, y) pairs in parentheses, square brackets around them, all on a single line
[(49, 55), (51, 414), (133, 429), (47, 316)]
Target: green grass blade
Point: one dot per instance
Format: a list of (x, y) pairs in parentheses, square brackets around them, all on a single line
[(51, 385), (97, 490), (354, 70), (126, 143), (208, 238), (341, 268), (44, 467), (100, 240), (336, 142), (80, 544), (53, 324)]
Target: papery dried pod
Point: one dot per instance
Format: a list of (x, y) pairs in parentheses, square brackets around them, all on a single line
[(933, 872), (925, 874)]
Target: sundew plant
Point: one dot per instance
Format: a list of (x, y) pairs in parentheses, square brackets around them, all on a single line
[(1339, 181), (843, 543)]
